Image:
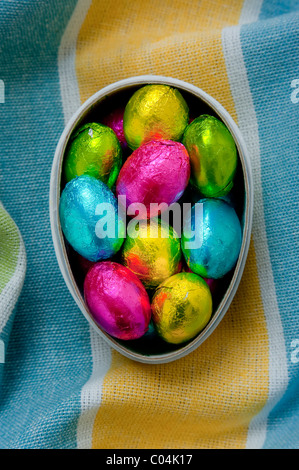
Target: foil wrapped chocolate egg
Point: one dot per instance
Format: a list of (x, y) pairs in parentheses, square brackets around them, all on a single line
[(88, 212), (157, 172), (155, 112), (117, 300), (211, 238), (115, 120), (213, 155), (94, 150), (181, 307), (154, 254)]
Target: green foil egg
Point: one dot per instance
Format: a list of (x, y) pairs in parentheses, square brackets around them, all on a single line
[(155, 112), (213, 155), (94, 150)]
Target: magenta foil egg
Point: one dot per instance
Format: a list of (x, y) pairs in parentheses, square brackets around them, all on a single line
[(157, 172), (115, 120), (117, 300)]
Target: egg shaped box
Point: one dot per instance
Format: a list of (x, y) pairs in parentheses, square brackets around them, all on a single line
[(150, 348)]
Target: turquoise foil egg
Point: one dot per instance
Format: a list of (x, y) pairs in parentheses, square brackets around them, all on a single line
[(89, 219), (211, 238)]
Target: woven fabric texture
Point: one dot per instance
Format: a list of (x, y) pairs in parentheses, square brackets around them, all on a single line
[(61, 385)]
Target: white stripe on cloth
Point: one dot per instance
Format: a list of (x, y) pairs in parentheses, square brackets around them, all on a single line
[(247, 121), (11, 292), (91, 394), (101, 352), (250, 11), (69, 88)]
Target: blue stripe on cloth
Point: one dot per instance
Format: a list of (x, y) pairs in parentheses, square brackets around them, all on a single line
[(48, 357), (273, 8), (270, 49)]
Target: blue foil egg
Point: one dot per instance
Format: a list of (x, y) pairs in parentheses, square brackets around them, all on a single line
[(211, 238), (89, 219)]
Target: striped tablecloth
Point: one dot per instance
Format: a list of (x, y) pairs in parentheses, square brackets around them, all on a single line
[(61, 386)]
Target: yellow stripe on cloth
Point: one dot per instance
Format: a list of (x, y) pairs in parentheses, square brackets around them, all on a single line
[(207, 399)]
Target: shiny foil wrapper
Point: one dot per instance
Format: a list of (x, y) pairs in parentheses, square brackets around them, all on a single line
[(117, 300), (181, 307), (213, 155), (115, 120), (155, 112), (155, 254), (78, 208), (157, 172), (93, 150), (220, 239)]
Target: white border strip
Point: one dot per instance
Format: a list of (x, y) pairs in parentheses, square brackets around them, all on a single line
[(69, 88), (101, 353), (11, 292), (91, 394), (250, 11), (278, 372)]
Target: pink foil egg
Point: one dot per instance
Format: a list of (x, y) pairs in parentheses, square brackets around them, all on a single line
[(115, 120), (117, 300), (156, 172)]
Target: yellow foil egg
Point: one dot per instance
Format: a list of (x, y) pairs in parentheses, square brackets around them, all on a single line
[(154, 254), (155, 112), (181, 307)]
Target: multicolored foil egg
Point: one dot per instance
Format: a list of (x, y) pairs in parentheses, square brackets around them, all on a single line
[(154, 254), (155, 112), (88, 212), (115, 120), (211, 238), (157, 172), (93, 150), (117, 300), (213, 155), (181, 307)]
